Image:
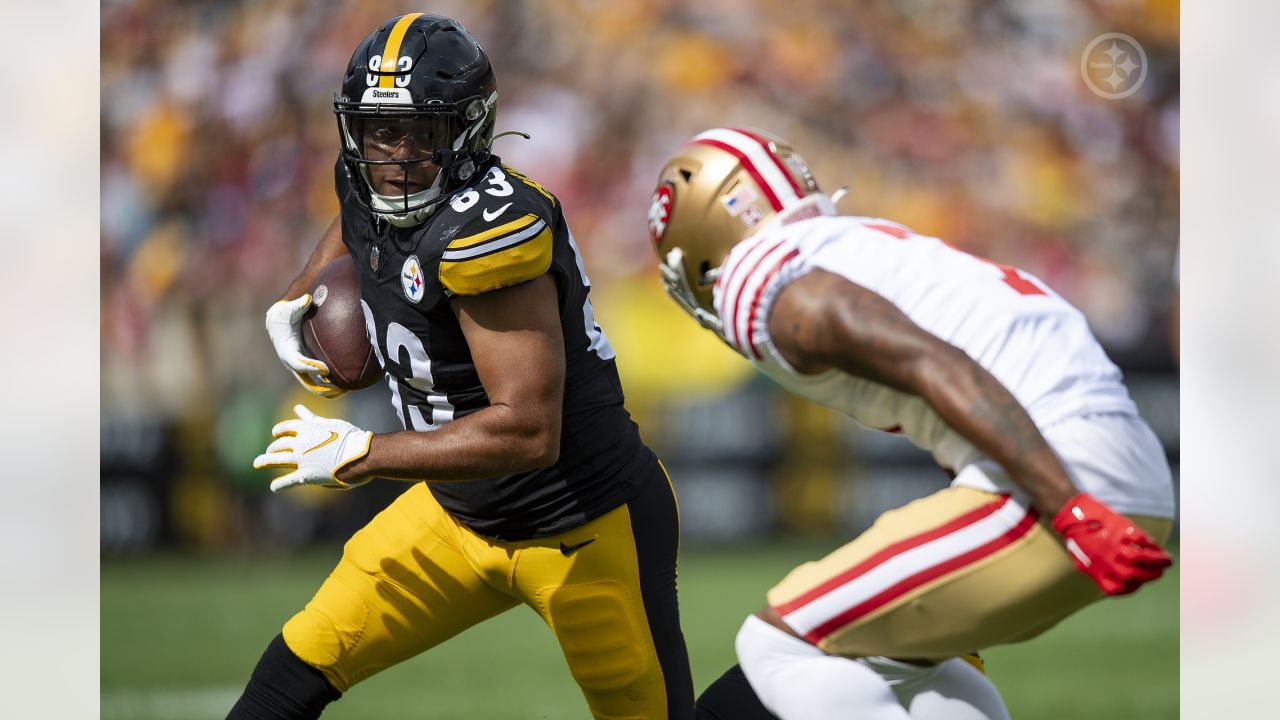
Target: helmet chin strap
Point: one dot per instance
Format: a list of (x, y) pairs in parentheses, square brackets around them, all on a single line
[(387, 206)]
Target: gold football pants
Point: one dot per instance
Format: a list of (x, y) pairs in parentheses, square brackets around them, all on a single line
[(952, 572), (415, 577)]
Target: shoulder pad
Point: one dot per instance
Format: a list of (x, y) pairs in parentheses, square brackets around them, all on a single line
[(529, 183), (513, 248)]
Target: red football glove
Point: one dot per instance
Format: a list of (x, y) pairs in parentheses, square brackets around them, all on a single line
[(1107, 547)]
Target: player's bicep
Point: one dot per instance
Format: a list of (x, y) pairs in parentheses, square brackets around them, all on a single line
[(517, 346), (822, 320)]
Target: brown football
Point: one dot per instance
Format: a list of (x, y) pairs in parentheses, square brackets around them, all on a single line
[(333, 329)]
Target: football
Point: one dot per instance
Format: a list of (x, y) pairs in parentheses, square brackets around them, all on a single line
[(333, 330)]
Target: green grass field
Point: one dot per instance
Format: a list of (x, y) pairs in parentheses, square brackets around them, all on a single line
[(181, 633)]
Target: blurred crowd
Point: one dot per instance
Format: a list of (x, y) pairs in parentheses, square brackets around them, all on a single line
[(966, 119)]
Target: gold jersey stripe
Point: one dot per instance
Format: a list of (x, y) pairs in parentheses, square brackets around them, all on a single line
[(516, 264), (391, 51), (525, 179), (514, 226)]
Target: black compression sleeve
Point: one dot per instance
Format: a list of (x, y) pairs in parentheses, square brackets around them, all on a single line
[(283, 687)]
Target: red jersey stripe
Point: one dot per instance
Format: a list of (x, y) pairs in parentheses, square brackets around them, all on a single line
[(893, 230), (755, 301), (745, 278), (745, 247), (736, 341)]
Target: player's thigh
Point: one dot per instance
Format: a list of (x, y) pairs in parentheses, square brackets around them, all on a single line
[(611, 603), (403, 585), (1070, 590), (956, 571)]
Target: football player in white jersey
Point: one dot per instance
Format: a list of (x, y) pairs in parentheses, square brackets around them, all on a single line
[(1061, 493)]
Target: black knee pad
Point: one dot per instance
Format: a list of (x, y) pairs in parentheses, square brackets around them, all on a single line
[(730, 697), (283, 687)]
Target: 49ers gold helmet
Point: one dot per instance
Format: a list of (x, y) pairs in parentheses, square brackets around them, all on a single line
[(717, 190)]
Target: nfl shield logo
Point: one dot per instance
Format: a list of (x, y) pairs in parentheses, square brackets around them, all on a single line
[(375, 258)]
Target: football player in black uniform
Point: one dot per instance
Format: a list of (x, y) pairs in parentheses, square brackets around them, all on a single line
[(538, 489)]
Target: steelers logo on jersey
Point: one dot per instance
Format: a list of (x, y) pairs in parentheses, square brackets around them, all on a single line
[(411, 279)]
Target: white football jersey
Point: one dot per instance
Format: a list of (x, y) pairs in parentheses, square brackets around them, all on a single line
[(1027, 336)]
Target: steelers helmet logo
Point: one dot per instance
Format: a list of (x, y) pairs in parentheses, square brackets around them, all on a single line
[(660, 212), (411, 279)]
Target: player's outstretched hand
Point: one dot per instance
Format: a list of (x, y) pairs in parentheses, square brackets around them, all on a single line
[(1108, 547), (315, 449), (284, 325)]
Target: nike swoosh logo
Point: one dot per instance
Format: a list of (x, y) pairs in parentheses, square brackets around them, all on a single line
[(332, 436), (489, 216), (567, 550)]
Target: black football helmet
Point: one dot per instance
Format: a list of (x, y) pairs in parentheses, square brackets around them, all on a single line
[(416, 115)]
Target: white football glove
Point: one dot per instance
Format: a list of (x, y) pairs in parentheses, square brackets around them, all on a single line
[(315, 448), (284, 325)]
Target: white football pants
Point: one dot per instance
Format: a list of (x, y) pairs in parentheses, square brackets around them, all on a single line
[(797, 681)]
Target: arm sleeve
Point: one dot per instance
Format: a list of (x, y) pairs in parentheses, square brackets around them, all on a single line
[(749, 280)]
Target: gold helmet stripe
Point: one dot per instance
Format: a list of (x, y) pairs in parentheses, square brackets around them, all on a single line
[(391, 51)]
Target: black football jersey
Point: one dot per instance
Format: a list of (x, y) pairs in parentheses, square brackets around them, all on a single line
[(500, 230)]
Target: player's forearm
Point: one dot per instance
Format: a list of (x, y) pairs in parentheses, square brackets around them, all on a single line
[(492, 442), (984, 412), (329, 248)]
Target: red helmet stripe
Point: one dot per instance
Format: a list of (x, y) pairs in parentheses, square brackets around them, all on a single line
[(772, 156), (747, 165)]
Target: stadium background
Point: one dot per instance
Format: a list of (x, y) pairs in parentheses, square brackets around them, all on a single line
[(967, 120)]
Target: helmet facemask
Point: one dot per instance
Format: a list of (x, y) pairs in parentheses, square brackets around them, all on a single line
[(675, 278), (404, 158)]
